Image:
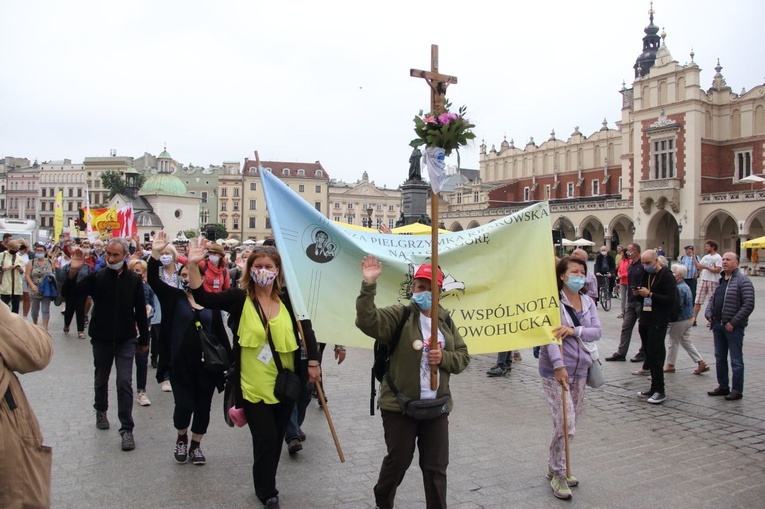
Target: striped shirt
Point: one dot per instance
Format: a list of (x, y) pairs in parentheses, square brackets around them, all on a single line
[(689, 261)]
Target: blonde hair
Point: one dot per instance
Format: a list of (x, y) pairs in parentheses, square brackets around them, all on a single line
[(140, 263), (173, 251), (248, 285)]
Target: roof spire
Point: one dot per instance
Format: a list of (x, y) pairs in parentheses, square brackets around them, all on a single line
[(651, 44)]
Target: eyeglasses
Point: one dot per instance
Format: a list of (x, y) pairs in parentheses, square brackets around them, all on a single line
[(267, 250)]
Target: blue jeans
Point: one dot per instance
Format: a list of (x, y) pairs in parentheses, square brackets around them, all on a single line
[(732, 342), (505, 358), (121, 355), (298, 416)]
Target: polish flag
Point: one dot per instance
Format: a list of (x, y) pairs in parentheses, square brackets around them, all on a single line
[(127, 222)]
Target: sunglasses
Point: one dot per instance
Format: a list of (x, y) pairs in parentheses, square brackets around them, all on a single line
[(267, 250)]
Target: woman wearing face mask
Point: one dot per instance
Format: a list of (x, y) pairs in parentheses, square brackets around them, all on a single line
[(214, 269), (181, 354), (37, 268), (257, 305), (75, 303), (409, 370), (567, 367), (12, 265), (169, 271)]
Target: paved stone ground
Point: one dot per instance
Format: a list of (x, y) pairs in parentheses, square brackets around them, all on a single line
[(693, 451)]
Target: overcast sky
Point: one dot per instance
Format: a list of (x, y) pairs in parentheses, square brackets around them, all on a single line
[(329, 81)]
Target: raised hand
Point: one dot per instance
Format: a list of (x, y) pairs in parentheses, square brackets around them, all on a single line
[(77, 261), (371, 268), (160, 242), (196, 255)]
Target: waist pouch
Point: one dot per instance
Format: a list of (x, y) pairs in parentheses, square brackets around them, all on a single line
[(423, 409)]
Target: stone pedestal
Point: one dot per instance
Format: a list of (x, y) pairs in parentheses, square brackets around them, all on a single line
[(414, 202)]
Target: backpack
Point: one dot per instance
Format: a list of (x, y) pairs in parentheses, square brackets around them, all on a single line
[(382, 353)]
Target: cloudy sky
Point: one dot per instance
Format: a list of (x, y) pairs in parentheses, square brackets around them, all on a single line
[(329, 81)]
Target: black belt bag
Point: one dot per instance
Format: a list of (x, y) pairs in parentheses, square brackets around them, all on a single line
[(423, 409)]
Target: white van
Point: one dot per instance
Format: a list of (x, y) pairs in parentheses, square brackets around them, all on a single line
[(20, 229)]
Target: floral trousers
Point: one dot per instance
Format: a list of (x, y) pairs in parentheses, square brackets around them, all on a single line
[(574, 400)]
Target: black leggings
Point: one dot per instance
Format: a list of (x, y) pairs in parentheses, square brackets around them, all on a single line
[(75, 306), (12, 301), (193, 396)]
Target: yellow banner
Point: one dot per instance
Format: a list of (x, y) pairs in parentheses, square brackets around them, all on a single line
[(58, 216)]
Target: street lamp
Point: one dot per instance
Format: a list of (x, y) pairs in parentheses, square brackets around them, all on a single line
[(369, 216), (632, 228), (680, 228)]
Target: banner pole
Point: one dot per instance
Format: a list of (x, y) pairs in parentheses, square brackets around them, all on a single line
[(565, 421), (323, 402), (434, 288)]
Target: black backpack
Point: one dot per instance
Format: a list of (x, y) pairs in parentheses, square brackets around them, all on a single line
[(674, 313), (382, 358)]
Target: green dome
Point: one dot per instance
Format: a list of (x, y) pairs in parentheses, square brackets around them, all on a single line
[(164, 183), (164, 155)]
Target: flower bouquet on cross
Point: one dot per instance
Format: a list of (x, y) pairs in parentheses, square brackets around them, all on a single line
[(441, 133)]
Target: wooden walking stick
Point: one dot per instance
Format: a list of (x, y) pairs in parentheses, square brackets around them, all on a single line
[(323, 402), (565, 421)]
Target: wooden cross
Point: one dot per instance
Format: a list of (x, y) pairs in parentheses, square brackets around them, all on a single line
[(437, 82)]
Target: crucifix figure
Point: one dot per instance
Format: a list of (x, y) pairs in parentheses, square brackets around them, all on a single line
[(436, 81)]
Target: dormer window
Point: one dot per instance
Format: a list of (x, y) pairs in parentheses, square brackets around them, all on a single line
[(319, 173), (286, 172), (301, 173)]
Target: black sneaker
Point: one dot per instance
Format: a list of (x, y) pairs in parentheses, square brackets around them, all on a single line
[(294, 446), (657, 398), (302, 435), (638, 358), (101, 421), (197, 457), (616, 358), (497, 370), (181, 451), (645, 394), (128, 442), (272, 503)]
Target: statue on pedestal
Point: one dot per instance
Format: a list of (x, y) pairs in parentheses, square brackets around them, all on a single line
[(414, 165)]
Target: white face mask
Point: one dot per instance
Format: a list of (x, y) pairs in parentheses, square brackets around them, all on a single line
[(166, 259), (214, 259), (263, 277), (116, 266)]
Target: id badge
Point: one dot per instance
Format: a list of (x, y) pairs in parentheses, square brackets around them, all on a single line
[(647, 303), (216, 284), (265, 354)]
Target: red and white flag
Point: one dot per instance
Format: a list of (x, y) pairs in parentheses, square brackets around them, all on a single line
[(127, 222)]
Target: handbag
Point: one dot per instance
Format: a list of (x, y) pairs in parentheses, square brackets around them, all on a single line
[(287, 386), (214, 355), (595, 376)]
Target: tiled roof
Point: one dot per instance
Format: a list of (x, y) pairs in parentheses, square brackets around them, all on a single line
[(277, 168)]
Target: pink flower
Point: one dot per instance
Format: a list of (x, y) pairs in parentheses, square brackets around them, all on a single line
[(430, 119), (447, 118)]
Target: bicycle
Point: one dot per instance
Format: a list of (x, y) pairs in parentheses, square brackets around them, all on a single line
[(604, 295)]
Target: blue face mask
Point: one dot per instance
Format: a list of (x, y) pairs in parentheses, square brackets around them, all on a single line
[(424, 300), (575, 283), (650, 268)]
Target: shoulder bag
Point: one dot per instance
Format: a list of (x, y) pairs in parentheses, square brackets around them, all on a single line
[(214, 355), (595, 377), (287, 387)]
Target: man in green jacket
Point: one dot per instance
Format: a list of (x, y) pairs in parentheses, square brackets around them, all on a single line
[(409, 371)]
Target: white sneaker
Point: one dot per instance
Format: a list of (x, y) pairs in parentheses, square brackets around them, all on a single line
[(143, 400), (166, 387)]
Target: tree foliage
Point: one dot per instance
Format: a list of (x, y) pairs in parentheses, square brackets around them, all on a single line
[(114, 181)]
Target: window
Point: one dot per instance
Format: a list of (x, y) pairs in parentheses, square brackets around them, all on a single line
[(223, 191), (253, 186), (204, 216), (317, 189), (475, 196), (178, 213), (620, 184), (390, 208), (743, 164), (350, 206), (570, 190), (235, 223), (336, 219), (253, 222), (390, 222), (317, 205), (337, 204), (459, 198), (526, 194), (663, 159), (223, 206), (548, 192), (236, 192), (301, 173), (268, 223), (236, 205), (301, 188), (595, 187), (319, 173), (43, 192), (204, 196), (71, 192), (286, 172), (253, 205)]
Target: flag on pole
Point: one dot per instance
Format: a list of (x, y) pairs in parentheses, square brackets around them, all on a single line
[(435, 161), (499, 284), (58, 216), (88, 218), (127, 222)]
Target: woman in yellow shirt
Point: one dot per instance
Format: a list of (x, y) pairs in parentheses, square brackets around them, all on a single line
[(258, 302)]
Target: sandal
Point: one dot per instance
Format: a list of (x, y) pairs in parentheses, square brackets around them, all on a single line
[(669, 368), (703, 368), (81, 335)]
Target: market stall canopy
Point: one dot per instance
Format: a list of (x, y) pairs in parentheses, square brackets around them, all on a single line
[(416, 229), (758, 243), (583, 243)]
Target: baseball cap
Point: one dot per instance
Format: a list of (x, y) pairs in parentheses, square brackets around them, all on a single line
[(688, 247), (426, 272)]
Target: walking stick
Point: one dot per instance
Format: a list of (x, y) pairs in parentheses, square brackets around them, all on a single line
[(565, 421), (323, 402)]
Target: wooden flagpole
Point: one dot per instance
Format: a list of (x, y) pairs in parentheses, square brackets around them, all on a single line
[(564, 390)]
